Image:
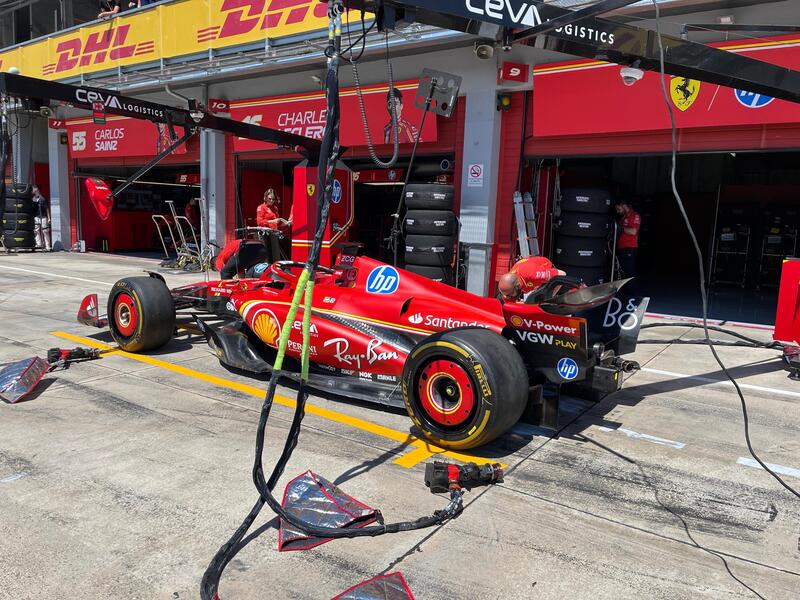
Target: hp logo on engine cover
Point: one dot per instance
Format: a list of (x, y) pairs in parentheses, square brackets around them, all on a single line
[(567, 368), (383, 280)]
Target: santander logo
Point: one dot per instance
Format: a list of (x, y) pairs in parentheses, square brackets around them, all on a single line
[(415, 319)]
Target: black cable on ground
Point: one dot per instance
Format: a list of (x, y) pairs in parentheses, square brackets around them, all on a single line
[(329, 155), (745, 341), (699, 253)]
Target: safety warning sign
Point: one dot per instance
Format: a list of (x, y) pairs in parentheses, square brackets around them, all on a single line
[(475, 176)]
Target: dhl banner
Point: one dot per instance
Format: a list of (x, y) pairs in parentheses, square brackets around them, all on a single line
[(169, 30), (304, 114)]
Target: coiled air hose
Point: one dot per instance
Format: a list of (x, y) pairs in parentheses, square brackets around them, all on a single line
[(329, 155), (392, 111)]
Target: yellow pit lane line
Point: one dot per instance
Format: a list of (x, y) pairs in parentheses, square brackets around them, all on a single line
[(421, 451)]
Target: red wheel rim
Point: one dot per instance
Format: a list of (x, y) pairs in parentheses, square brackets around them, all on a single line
[(125, 316), (446, 392)]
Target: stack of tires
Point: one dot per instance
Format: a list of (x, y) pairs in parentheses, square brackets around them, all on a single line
[(18, 218), (582, 234), (431, 231)]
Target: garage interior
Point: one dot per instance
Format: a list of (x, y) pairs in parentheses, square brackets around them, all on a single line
[(743, 208), (130, 227)]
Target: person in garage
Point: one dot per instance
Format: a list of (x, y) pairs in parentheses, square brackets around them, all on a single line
[(239, 256), (630, 222), (41, 206), (526, 276), (267, 213)]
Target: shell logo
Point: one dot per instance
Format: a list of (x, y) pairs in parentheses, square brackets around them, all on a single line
[(262, 321), (516, 321)]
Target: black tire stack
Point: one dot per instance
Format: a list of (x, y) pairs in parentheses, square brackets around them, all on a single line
[(431, 231), (18, 218), (581, 245)]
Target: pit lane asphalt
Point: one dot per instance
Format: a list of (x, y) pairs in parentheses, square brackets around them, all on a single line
[(120, 479)]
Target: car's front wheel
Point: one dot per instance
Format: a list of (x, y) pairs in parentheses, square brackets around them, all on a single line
[(464, 387), (141, 314)]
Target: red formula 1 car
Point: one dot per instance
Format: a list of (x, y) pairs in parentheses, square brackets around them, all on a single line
[(465, 367)]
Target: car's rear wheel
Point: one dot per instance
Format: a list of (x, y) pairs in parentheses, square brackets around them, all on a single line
[(141, 314), (464, 387)]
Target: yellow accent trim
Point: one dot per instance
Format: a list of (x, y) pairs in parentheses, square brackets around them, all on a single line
[(359, 317), (565, 67), (374, 428), (316, 95)]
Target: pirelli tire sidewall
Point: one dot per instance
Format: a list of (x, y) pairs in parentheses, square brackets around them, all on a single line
[(153, 309), (496, 372)]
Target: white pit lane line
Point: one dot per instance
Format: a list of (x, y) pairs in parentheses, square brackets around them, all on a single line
[(644, 437), (709, 381), (780, 469), (56, 275)]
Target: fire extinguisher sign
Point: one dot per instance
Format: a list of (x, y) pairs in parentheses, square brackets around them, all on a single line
[(475, 175)]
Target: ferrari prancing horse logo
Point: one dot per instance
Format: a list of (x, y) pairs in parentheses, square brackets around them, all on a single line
[(311, 188), (684, 92)]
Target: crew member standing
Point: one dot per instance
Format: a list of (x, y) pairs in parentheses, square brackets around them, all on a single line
[(267, 213), (42, 219), (628, 241), (525, 276)]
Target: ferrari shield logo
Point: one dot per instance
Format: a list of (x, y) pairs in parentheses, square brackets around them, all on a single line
[(684, 92), (311, 188)]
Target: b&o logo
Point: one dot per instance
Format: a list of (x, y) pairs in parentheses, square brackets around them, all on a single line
[(383, 280), (567, 368), (752, 100)]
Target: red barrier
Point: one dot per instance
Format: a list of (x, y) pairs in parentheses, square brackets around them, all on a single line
[(787, 320)]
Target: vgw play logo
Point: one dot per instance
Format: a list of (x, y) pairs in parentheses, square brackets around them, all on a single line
[(383, 280)]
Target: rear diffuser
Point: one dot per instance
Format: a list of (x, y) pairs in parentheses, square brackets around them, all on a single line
[(384, 587), (18, 379), (318, 502)]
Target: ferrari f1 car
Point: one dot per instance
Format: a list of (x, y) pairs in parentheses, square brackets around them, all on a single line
[(465, 367)]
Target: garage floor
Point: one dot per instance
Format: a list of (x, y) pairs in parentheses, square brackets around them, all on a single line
[(120, 478)]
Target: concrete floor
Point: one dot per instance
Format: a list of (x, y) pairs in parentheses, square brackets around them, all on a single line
[(121, 478)]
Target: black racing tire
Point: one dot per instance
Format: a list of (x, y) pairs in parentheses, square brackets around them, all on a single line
[(19, 239), (580, 252), (141, 314), (429, 250), (429, 196), (14, 221), (19, 191), (430, 222), (589, 276), (590, 200), (439, 274), (14, 205), (464, 387), (590, 225)]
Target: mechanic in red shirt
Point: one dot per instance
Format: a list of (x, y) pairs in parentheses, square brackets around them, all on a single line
[(525, 276), (238, 256), (628, 241)]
